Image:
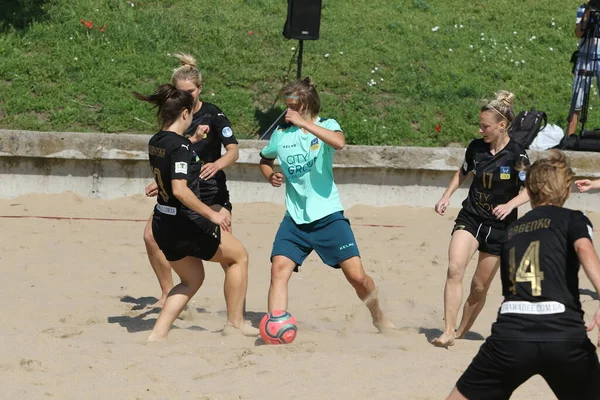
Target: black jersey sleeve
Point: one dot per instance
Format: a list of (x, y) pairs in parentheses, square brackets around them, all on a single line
[(180, 161), (579, 227), (468, 162), (222, 127)]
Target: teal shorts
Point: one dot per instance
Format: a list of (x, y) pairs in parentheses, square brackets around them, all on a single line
[(331, 237)]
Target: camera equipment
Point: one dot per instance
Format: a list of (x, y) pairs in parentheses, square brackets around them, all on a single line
[(587, 64)]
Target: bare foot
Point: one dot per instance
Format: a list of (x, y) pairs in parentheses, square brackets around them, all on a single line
[(447, 339), (153, 337), (384, 326), (245, 329)]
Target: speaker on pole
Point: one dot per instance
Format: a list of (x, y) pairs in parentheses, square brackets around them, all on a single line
[(303, 20)]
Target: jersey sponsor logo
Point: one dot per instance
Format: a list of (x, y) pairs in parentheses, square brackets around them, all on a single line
[(288, 146), (524, 156), (522, 176), (504, 173), (220, 115), (314, 144), (181, 168), (530, 308), (187, 146), (227, 132), (166, 209), (590, 231), (299, 164)]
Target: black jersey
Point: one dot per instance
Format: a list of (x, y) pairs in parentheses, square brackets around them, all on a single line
[(209, 148), (172, 158), (539, 270), (496, 180)]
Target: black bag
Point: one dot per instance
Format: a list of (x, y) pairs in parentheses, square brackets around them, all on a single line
[(526, 126)]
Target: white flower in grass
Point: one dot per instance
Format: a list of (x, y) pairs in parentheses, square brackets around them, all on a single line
[(482, 34), (376, 68), (327, 55), (341, 52), (364, 120), (517, 63), (523, 61), (435, 29), (514, 32), (75, 58), (293, 48), (372, 71), (532, 38), (470, 46), (550, 48), (112, 60), (455, 26), (381, 79), (70, 37), (450, 50)]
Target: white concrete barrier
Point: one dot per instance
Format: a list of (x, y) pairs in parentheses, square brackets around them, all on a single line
[(115, 165)]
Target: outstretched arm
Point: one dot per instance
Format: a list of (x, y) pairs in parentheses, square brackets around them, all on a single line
[(502, 210), (455, 183), (230, 157), (583, 185), (591, 265)]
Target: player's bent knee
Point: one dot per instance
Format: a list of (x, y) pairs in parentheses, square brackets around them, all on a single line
[(478, 291), (455, 272), (281, 271), (358, 279)]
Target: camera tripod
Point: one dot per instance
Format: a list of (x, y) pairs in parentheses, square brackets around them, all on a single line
[(587, 66)]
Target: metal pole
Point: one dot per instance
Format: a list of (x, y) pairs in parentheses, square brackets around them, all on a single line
[(300, 50)]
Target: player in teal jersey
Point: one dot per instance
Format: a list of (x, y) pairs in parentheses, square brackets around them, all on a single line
[(314, 220)]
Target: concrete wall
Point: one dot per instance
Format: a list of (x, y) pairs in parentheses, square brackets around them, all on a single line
[(115, 165)]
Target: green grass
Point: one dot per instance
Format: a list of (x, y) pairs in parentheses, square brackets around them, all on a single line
[(56, 74)]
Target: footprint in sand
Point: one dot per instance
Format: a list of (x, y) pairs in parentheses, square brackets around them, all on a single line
[(31, 365), (63, 332)]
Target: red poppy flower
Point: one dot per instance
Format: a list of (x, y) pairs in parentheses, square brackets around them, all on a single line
[(88, 25), (438, 128), (103, 29)]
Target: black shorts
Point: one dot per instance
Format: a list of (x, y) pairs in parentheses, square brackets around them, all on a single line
[(179, 236), (571, 369), (490, 239), (220, 197)]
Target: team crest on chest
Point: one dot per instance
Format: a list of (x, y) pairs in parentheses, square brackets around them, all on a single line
[(314, 144), (504, 173)]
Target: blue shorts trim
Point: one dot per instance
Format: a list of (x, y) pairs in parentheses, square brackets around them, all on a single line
[(331, 237)]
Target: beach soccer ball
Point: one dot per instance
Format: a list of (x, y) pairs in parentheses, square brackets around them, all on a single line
[(278, 327)]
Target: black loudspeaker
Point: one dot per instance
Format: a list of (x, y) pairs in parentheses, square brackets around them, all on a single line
[(303, 20)]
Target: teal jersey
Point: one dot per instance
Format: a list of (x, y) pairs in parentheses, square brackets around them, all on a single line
[(307, 163)]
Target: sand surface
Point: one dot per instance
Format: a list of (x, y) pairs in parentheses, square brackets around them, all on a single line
[(75, 315)]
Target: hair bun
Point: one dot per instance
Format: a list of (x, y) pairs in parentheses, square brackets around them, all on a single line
[(505, 97), (186, 59)]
